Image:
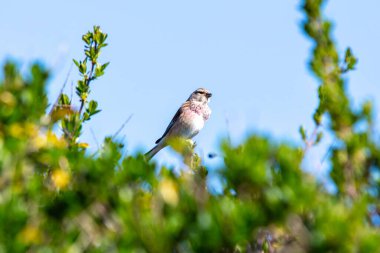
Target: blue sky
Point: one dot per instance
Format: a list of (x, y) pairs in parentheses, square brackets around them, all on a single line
[(251, 54)]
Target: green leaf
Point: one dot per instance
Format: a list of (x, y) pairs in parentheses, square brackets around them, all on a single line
[(317, 118), (348, 55), (105, 65), (92, 108), (93, 105), (352, 63), (64, 100), (76, 63), (87, 37), (98, 71), (82, 67), (303, 133), (95, 112), (86, 116), (350, 60), (318, 138)]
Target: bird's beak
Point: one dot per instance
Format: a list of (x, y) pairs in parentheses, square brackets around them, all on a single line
[(208, 95)]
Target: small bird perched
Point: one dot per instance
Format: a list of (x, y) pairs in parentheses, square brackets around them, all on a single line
[(187, 122)]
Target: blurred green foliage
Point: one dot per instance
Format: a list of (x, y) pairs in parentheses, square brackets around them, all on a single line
[(55, 197)]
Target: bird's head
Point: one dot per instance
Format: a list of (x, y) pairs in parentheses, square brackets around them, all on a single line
[(200, 95)]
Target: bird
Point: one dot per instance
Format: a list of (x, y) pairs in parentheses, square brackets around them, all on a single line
[(188, 120)]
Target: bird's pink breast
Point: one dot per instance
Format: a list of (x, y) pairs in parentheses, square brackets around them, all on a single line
[(201, 110)]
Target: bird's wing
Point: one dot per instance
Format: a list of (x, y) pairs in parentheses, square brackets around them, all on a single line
[(174, 120)]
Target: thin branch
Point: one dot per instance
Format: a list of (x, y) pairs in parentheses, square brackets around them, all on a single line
[(88, 80), (94, 137), (228, 127), (328, 152), (310, 142), (72, 91), (122, 126), (61, 91)]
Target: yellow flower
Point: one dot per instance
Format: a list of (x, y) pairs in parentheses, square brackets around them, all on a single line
[(7, 98), (39, 142), (15, 130), (31, 129), (169, 192), (60, 178), (48, 139), (54, 141), (83, 145), (30, 235)]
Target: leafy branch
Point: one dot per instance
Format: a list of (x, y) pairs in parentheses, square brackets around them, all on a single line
[(89, 69), (350, 167)]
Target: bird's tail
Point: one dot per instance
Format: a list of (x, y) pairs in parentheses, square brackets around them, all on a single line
[(153, 151)]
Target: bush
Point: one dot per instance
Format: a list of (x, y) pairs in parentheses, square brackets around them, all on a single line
[(55, 197)]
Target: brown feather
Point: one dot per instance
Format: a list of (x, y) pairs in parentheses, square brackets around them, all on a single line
[(174, 119)]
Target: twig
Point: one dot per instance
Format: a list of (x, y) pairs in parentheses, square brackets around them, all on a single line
[(228, 127), (88, 80), (72, 91), (94, 137), (122, 126), (61, 91), (309, 143), (328, 152)]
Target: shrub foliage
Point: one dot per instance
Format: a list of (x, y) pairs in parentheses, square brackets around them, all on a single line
[(56, 197)]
